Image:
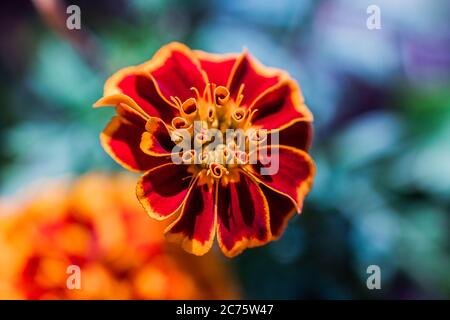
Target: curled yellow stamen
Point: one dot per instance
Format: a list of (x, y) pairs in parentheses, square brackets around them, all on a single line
[(189, 108), (179, 123), (211, 114), (238, 116), (214, 108), (176, 137), (217, 170), (222, 95)]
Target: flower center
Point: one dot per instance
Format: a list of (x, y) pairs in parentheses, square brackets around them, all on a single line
[(218, 129)]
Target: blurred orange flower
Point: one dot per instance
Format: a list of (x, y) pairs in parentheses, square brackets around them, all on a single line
[(97, 225)]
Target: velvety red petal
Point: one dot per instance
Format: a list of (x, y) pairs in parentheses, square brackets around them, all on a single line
[(120, 139), (243, 216), (139, 85), (162, 190), (255, 77), (281, 210), (131, 115), (217, 66), (292, 176), (195, 227), (298, 135), (142, 89), (176, 70), (280, 106), (156, 140)]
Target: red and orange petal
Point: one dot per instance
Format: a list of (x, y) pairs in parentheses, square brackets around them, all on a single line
[(156, 140), (243, 218), (121, 140), (298, 135), (247, 214), (176, 70), (280, 106), (162, 190), (255, 77), (218, 67), (281, 209), (138, 85), (194, 229), (292, 177), (129, 106), (131, 115)]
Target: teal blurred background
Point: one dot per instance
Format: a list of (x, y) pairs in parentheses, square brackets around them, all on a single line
[(381, 101)]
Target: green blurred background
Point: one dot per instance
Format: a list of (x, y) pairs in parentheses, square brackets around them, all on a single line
[(381, 101)]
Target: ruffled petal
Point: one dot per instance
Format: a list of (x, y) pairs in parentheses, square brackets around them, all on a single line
[(156, 141), (176, 70), (217, 66), (281, 209), (131, 115), (286, 170), (194, 229), (298, 135), (243, 216), (162, 190), (255, 77), (139, 85), (280, 106), (128, 105), (121, 138)]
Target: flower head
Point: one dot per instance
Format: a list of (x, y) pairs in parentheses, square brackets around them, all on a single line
[(96, 225), (222, 140)]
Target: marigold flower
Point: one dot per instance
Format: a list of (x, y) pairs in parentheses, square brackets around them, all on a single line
[(210, 190), (97, 225)]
